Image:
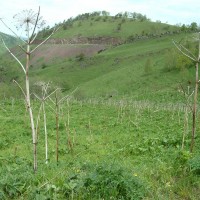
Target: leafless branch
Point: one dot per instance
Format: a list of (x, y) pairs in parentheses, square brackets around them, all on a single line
[(188, 51), (12, 31), (14, 56), (179, 48), (50, 107), (37, 96), (38, 119), (33, 38), (20, 88), (3, 109), (51, 94), (22, 48), (35, 25), (44, 40), (51, 100), (65, 97)]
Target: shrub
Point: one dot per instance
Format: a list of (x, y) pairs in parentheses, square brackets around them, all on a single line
[(119, 27), (194, 164), (44, 65), (80, 57), (131, 38), (105, 182)]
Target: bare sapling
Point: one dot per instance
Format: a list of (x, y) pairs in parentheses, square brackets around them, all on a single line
[(196, 59), (187, 109), (30, 22), (43, 99), (57, 126), (67, 128), (57, 103)]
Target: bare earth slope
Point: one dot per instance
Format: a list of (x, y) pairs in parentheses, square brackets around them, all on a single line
[(65, 48)]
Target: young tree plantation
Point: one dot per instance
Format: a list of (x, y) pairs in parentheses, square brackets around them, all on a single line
[(99, 107)]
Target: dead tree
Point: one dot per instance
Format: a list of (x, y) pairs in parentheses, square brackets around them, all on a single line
[(30, 22), (43, 99), (196, 59)]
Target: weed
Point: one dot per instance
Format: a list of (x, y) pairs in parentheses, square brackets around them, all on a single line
[(194, 164), (105, 181)]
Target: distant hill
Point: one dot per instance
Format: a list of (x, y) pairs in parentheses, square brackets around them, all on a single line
[(108, 57)]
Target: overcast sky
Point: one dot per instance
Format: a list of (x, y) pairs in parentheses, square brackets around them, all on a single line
[(55, 11)]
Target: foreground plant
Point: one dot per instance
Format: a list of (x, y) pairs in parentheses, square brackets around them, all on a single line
[(30, 22)]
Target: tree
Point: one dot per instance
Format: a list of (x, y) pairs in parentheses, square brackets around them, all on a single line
[(30, 22), (196, 59), (105, 13), (193, 26)]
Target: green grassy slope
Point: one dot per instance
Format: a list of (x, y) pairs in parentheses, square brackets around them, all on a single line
[(121, 28), (120, 72)]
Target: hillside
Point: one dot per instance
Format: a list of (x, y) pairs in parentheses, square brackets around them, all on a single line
[(104, 61)]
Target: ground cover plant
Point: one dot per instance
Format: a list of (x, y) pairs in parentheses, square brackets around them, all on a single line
[(115, 145)]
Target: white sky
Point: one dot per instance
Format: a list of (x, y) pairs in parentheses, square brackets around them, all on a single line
[(55, 11)]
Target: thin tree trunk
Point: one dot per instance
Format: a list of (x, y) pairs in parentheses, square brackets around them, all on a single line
[(194, 108), (69, 141), (28, 101), (57, 128), (45, 132), (185, 126)]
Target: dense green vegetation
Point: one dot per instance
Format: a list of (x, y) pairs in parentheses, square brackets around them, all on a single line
[(120, 132), (110, 149)]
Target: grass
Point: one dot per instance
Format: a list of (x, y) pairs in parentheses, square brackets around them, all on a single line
[(140, 142)]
